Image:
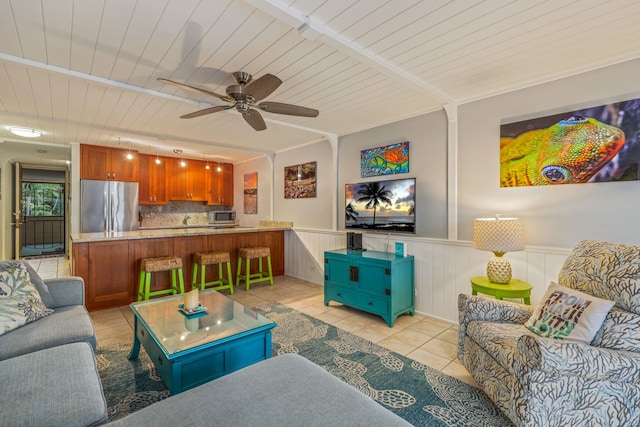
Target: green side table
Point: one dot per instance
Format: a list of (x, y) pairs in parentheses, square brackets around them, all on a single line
[(514, 289)]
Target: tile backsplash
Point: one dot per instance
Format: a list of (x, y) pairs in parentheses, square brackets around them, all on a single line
[(173, 214)]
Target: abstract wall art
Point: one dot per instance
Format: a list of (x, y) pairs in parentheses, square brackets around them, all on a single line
[(386, 160), (597, 144)]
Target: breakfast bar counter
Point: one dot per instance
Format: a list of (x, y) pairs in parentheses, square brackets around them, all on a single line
[(109, 263), (159, 232)]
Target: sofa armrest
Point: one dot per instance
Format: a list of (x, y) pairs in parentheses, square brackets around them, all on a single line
[(491, 310), (472, 307), (574, 359), (66, 290)]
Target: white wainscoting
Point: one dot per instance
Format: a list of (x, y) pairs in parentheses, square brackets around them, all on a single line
[(442, 267)]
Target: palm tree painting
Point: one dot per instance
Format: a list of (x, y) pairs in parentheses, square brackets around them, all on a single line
[(384, 205)]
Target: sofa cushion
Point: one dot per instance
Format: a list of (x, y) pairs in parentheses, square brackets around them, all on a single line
[(285, 390), (59, 386), (66, 325), (20, 302), (568, 314), (499, 339), (37, 281)]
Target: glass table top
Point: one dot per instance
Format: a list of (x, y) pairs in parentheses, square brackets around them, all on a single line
[(176, 332)]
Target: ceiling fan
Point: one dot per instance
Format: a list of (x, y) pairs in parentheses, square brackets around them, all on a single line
[(244, 96)]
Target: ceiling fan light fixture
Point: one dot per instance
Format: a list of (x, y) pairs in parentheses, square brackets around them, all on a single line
[(245, 96), (25, 132)]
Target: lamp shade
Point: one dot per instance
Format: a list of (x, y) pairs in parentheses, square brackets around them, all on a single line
[(498, 234)]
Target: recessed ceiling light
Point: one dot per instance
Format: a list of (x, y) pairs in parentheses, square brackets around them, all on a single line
[(26, 132)]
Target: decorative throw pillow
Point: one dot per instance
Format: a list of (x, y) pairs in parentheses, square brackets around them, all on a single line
[(569, 315), (37, 281), (20, 302)]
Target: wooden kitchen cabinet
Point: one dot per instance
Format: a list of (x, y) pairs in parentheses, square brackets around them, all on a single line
[(274, 240), (189, 182), (108, 269), (111, 268), (108, 164), (221, 185), (185, 247), (154, 185)]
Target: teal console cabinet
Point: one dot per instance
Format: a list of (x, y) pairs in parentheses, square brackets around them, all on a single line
[(377, 282)]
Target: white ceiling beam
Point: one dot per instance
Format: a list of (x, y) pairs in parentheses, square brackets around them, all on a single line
[(96, 79), (313, 29), (125, 86)]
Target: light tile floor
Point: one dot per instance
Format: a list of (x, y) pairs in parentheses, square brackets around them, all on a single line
[(425, 339)]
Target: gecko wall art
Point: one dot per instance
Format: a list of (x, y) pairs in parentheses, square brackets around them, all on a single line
[(597, 144)]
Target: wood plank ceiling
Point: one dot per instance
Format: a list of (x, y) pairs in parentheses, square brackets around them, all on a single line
[(86, 70)]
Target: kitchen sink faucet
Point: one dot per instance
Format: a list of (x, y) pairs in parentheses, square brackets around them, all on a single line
[(184, 221)]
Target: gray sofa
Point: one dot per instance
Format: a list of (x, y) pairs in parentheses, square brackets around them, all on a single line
[(285, 390), (47, 368), (48, 377)]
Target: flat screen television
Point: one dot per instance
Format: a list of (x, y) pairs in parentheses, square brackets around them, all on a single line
[(384, 206)]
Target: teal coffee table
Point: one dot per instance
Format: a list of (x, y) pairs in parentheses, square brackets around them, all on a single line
[(190, 350)]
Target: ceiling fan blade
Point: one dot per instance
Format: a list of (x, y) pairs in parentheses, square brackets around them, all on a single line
[(254, 119), (292, 110), (206, 111), (262, 87), (194, 89)]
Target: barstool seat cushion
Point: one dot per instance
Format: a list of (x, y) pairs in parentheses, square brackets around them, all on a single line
[(251, 253), (211, 258), (160, 263)]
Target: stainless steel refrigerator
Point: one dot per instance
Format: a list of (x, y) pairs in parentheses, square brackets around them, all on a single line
[(107, 206)]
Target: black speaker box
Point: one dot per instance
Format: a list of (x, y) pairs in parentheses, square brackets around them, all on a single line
[(354, 241)]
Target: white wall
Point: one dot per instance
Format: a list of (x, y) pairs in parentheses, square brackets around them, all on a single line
[(261, 165), (557, 216), (442, 268), (427, 136), (316, 212)]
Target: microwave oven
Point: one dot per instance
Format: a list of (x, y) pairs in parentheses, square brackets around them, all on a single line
[(222, 217)]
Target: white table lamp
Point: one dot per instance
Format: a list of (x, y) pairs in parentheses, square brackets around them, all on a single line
[(498, 235)]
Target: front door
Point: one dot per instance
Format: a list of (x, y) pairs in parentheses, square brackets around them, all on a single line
[(39, 212), (16, 211)]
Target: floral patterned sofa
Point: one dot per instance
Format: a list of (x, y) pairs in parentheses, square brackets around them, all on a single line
[(539, 381)]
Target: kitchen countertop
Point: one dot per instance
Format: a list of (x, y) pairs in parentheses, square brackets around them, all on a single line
[(152, 233)]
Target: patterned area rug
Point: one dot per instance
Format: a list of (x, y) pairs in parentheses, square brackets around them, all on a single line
[(128, 385), (421, 395)]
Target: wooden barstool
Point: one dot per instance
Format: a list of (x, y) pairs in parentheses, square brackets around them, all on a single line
[(211, 258), (247, 254), (153, 265)]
